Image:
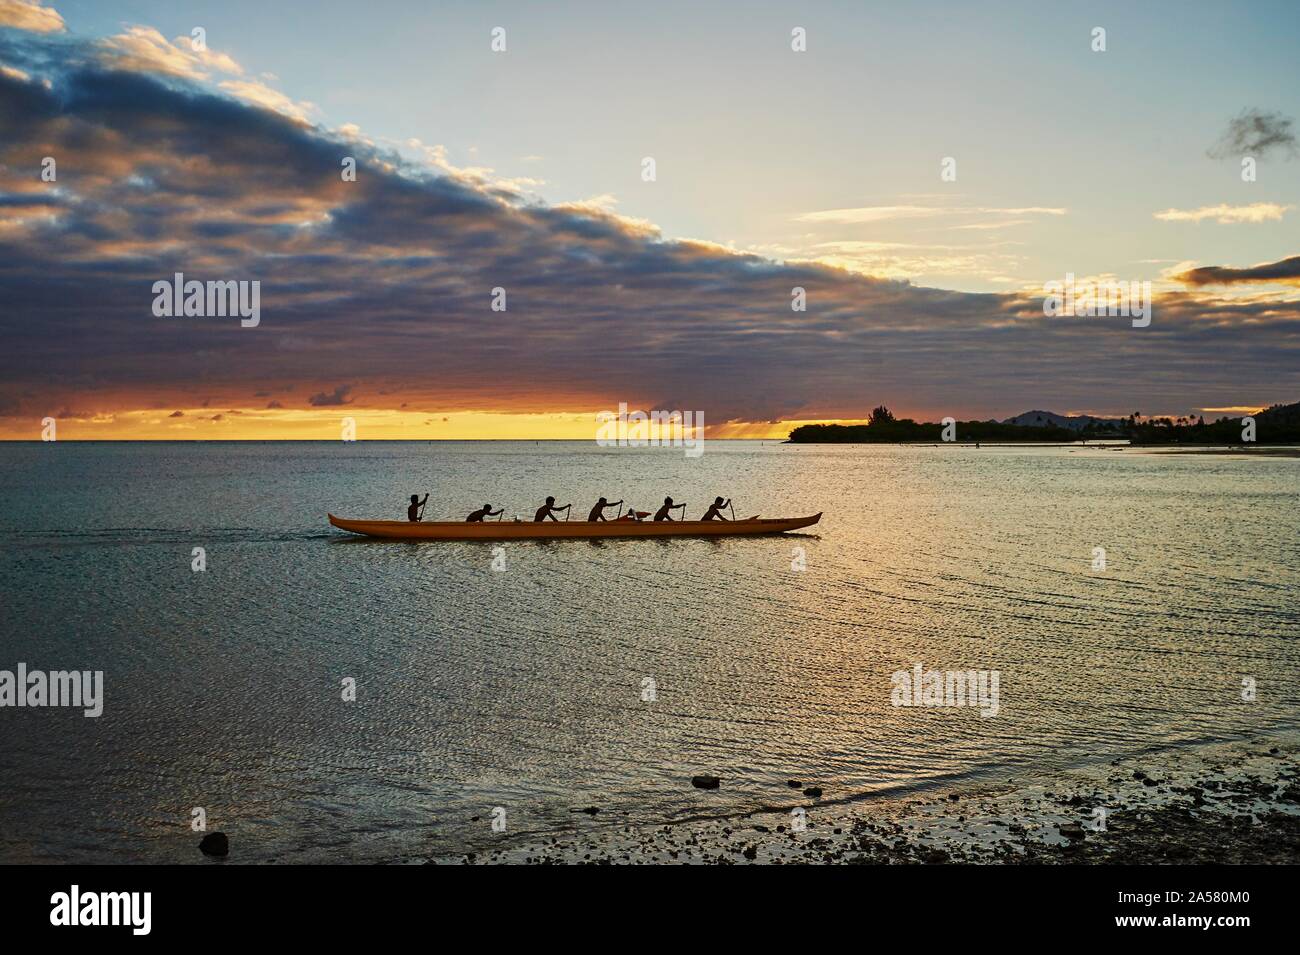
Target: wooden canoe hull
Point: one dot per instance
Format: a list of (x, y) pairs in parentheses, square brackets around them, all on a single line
[(551, 530)]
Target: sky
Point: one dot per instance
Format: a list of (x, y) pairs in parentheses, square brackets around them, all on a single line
[(921, 171)]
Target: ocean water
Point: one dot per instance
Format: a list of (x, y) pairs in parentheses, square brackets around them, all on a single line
[(522, 688)]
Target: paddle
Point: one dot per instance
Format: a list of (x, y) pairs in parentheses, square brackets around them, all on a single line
[(733, 509), (419, 515)]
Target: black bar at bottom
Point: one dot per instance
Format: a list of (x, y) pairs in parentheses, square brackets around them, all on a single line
[(366, 903)]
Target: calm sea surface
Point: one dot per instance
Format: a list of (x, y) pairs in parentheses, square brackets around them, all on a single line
[(523, 688)]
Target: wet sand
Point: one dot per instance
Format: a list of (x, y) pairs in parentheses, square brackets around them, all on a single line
[(1230, 803)]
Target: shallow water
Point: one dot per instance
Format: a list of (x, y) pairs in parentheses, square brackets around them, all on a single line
[(523, 688)]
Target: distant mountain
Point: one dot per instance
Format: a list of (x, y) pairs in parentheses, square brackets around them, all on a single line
[(1049, 419), (1276, 416)]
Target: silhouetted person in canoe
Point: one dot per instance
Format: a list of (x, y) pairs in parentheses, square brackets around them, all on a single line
[(417, 505), (662, 513), (715, 510), (598, 512), (482, 512), (548, 510)]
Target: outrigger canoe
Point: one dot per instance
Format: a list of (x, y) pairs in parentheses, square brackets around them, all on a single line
[(531, 530)]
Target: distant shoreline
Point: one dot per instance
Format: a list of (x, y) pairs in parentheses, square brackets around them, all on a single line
[(1273, 426), (1274, 450), (1269, 450), (1003, 443), (591, 441)]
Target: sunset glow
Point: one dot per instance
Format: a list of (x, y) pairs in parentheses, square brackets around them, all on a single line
[(451, 268)]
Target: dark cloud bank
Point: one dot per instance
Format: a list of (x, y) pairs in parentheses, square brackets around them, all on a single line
[(1288, 270), (385, 284)]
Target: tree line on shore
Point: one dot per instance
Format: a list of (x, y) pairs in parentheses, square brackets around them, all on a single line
[(1279, 424)]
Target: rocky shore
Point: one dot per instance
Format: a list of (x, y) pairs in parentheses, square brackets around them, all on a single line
[(1228, 803)]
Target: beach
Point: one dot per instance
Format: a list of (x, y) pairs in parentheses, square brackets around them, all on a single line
[(1224, 804)]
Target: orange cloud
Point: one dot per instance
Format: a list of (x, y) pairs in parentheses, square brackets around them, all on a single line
[(30, 15)]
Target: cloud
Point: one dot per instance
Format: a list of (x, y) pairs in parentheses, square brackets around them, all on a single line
[(145, 50), (863, 214), (904, 259), (870, 214), (1286, 271), (30, 15), (386, 283), (1227, 215), (1255, 133), (339, 396), (1003, 224), (259, 94)]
